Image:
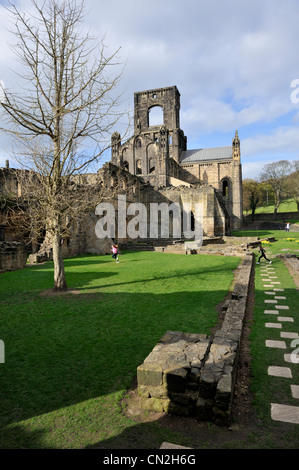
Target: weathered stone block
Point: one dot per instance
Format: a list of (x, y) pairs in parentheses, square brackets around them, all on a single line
[(187, 399), (180, 409), (149, 374), (155, 404), (224, 390), (152, 392), (208, 382), (204, 409), (175, 379)]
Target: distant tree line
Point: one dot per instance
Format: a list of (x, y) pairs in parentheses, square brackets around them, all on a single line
[(277, 182)]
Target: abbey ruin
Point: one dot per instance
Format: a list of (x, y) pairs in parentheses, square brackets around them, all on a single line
[(155, 165), (158, 154)]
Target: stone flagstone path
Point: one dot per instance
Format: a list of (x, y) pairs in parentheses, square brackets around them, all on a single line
[(276, 305)]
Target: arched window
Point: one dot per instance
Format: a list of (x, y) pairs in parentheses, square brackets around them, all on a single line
[(151, 165), (224, 188), (138, 167), (138, 144), (155, 116)]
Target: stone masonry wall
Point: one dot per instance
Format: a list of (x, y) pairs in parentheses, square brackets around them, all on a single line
[(292, 263), (194, 375), (12, 256), (217, 380)]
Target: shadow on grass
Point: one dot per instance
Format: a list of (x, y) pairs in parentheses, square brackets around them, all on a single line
[(61, 354)]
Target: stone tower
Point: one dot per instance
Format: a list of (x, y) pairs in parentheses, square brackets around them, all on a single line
[(157, 152), (147, 153), (237, 197)]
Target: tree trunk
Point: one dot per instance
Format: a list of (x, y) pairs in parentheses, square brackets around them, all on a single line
[(59, 274)]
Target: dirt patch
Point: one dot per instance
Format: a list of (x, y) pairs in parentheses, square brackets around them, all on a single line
[(57, 293)]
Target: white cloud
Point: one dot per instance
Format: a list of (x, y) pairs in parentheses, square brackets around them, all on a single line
[(232, 62), (283, 141)]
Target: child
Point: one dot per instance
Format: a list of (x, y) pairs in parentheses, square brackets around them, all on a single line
[(263, 255), (114, 249)]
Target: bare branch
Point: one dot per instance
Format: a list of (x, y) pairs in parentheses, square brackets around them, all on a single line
[(63, 120)]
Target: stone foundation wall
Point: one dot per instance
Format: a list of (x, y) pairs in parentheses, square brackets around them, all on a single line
[(168, 378), (217, 380), (12, 256), (194, 375), (292, 263)]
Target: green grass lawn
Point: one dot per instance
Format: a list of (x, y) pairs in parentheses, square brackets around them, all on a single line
[(70, 359), (265, 388), (286, 206), (268, 389), (286, 242)]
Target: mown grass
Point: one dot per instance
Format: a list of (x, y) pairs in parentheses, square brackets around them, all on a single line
[(286, 242), (286, 206), (268, 389), (70, 359)]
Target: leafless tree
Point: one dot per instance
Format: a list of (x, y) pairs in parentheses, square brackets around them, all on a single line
[(251, 195), (62, 119), (275, 174)]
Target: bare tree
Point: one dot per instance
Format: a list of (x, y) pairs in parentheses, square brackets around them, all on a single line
[(64, 115), (251, 195), (275, 174)]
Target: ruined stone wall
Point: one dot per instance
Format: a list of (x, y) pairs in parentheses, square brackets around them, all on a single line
[(177, 171), (12, 256), (8, 182), (292, 263), (215, 174), (192, 374)]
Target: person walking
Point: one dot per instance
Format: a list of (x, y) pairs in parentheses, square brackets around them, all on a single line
[(114, 249), (263, 254)]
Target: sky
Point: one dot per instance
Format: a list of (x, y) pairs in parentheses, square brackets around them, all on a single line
[(234, 62)]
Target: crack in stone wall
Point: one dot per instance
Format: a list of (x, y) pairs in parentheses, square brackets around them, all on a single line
[(194, 375)]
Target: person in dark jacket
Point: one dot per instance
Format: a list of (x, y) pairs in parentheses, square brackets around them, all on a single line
[(263, 254)]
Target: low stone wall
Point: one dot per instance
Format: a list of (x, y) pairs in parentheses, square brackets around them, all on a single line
[(217, 380), (292, 263), (168, 378), (280, 217), (221, 249), (12, 256), (192, 374)]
